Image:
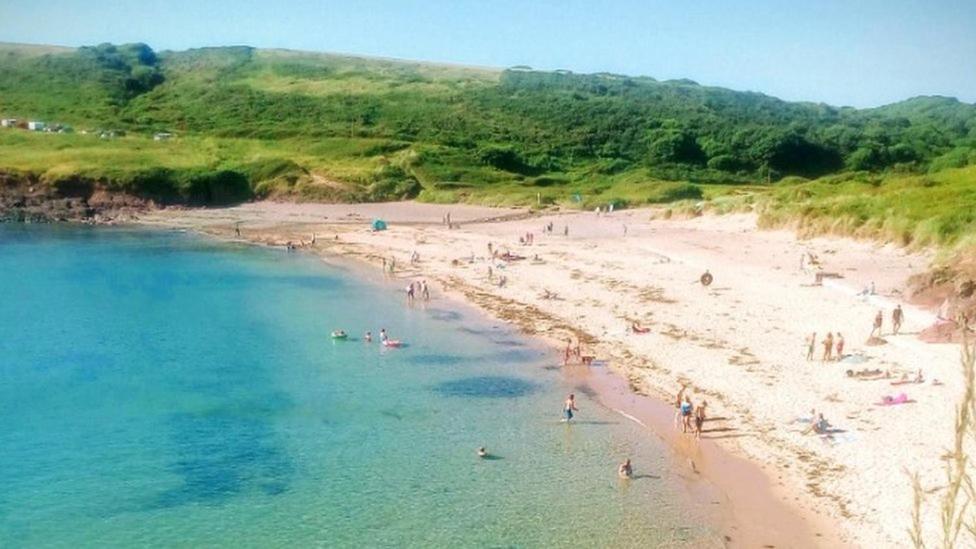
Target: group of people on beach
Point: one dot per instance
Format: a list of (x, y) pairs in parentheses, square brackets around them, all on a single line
[(897, 318), (833, 347), (692, 417), (418, 288), (572, 350)]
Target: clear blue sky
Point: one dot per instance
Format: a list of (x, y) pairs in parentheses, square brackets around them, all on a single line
[(845, 52)]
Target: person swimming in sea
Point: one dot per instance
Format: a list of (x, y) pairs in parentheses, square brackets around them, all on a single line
[(626, 470), (482, 453), (569, 407), (383, 336), (368, 337)]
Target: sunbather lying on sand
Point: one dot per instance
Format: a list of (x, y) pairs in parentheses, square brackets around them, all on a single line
[(888, 400), (905, 380), (638, 329), (864, 372)]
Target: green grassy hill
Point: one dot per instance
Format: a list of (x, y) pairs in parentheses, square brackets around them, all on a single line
[(313, 126)]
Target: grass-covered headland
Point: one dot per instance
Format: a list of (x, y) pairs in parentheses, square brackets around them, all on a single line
[(252, 123)]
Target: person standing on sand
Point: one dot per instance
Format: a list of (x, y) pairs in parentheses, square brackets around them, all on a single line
[(897, 316), (686, 410), (568, 352), (566, 230), (700, 418), (840, 346), (569, 407), (828, 344), (878, 321), (811, 345), (677, 406)]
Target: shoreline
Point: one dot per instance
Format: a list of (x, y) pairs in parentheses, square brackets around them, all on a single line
[(831, 485), (751, 512)]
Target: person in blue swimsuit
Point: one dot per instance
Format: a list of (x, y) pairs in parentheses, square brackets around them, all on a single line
[(686, 409)]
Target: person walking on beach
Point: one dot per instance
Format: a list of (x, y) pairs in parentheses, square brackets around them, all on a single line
[(677, 406), (566, 230), (811, 345), (686, 410), (840, 346), (568, 352), (625, 470), (700, 418), (897, 316), (878, 321), (828, 344), (569, 407)]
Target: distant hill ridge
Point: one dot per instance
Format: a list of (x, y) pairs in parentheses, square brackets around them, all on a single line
[(337, 127)]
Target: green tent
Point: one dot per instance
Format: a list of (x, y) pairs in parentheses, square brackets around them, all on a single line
[(379, 225)]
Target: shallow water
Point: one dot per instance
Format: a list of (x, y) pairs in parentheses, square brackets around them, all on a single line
[(161, 389)]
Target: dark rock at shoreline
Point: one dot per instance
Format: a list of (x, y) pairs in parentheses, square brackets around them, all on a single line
[(26, 199)]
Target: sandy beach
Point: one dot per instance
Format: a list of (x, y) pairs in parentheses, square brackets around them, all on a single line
[(738, 343)]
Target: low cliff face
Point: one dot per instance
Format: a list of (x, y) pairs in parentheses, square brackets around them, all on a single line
[(25, 198)]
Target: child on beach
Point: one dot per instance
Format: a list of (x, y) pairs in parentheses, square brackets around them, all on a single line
[(569, 407), (626, 470)]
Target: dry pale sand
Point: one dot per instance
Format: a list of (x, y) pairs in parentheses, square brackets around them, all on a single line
[(738, 343)]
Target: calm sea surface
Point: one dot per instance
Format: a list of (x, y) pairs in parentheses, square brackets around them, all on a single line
[(160, 389)]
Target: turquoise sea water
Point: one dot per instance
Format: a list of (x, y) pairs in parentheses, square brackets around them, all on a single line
[(160, 389)]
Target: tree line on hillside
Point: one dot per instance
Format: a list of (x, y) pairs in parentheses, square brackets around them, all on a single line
[(526, 122)]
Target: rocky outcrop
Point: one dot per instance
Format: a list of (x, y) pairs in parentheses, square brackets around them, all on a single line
[(26, 198), (951, 289)]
